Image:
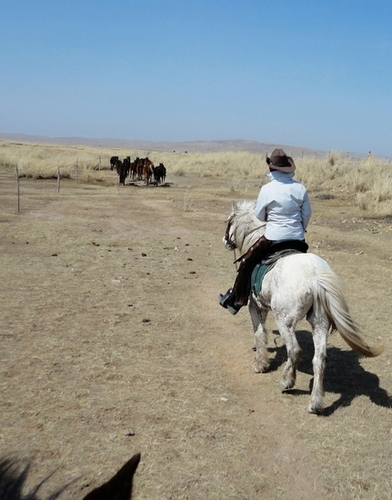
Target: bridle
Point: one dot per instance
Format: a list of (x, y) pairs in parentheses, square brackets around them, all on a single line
[(230, 243)]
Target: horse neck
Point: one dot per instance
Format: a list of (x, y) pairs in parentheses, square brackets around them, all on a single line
[(248, 233), (252, 238)]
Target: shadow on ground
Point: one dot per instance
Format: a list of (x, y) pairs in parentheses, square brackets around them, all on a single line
[(344, 374)]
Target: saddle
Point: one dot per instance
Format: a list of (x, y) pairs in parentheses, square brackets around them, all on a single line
[(275, 252), (298, 245)]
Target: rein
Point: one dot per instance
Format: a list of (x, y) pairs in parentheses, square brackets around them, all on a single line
[(233, 245)]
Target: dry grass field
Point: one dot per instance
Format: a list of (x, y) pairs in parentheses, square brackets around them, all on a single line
[(113, 342)]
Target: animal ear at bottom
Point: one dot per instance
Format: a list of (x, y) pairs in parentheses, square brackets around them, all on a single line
[(119, 487)]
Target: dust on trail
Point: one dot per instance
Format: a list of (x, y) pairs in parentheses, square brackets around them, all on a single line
[(266, 423)]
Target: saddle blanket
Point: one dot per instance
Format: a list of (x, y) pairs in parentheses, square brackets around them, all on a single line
[(258, 274), (260, 270)]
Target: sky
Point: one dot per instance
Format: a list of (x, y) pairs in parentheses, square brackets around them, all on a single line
[(307, 73)]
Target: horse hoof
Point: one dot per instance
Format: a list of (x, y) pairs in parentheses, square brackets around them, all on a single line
[(315, 409), (260, 368), (287, 385)]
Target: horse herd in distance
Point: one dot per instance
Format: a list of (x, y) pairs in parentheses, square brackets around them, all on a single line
[(141, 169)]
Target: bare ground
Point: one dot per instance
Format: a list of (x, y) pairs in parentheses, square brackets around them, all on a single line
[(113, 342)]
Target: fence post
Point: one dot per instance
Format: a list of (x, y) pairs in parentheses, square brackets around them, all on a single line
[(17, 187), (58, 177)]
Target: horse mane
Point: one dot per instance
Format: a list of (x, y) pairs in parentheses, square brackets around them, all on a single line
[(13, 476), (14, 473), (244, 207), (245, 225)]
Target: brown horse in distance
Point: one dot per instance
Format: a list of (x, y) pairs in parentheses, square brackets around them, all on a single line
[(144, 169)]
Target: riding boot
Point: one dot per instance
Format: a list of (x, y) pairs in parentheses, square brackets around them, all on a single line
[(227, 301), (237, 297), (224, 298)]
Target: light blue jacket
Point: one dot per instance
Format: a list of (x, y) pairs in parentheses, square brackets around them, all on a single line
[(284, 204)]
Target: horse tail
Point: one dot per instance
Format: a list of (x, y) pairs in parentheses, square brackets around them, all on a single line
[(329, 298)]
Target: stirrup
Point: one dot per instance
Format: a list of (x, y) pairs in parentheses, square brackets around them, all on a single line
[(233, 308), (224, 298)]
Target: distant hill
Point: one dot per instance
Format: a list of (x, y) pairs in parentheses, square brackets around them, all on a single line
[(180, 147)]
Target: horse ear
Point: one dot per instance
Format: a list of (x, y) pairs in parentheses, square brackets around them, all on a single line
[(119, 487)]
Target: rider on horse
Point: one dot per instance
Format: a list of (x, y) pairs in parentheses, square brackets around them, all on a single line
[(284, 204)]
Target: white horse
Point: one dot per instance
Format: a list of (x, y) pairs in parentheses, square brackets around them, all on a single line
[(298, 285)]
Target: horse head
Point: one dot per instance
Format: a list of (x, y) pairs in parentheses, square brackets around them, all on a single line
[(243, 228)]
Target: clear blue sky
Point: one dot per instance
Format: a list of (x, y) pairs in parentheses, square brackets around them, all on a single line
[(315, 73)]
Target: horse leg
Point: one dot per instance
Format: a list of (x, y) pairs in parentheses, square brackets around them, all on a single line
[(320, 335), (286, 326), (261, 362)]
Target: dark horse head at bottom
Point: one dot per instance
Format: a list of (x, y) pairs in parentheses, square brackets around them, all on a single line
[(13, 475)]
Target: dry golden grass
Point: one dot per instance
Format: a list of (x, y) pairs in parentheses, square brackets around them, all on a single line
[(369, 179)]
